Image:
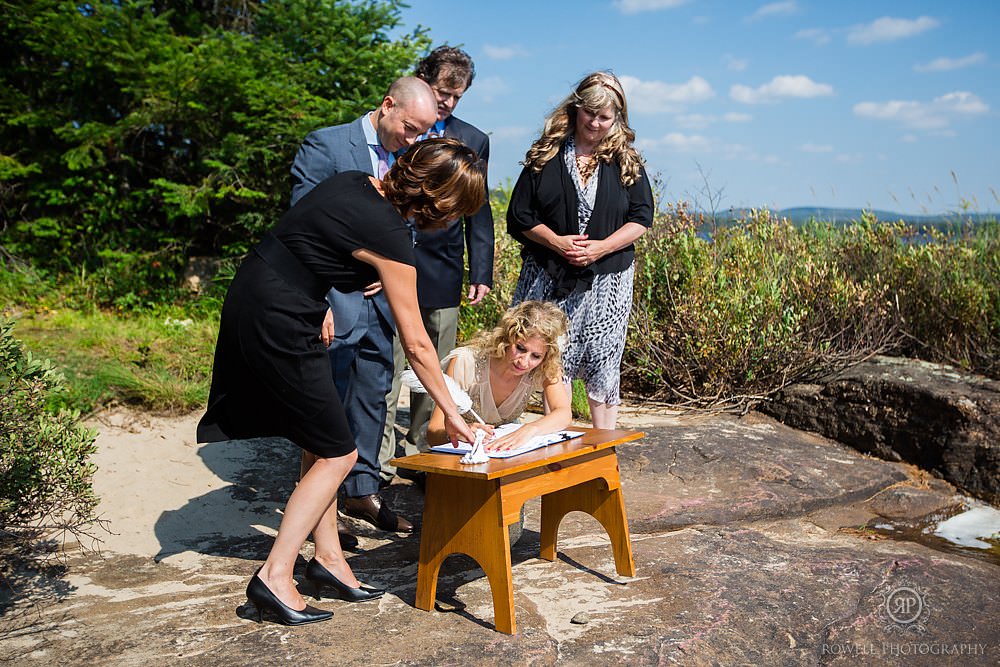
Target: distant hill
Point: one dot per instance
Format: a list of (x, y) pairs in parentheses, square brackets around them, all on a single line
[(841, 216)]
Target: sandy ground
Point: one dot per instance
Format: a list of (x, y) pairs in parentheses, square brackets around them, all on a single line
[(150, 466)]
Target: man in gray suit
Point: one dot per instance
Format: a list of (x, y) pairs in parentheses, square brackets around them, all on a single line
[(361, 333), (441, 254)]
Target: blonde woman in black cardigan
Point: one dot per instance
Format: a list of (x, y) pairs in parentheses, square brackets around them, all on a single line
[(581, 201)]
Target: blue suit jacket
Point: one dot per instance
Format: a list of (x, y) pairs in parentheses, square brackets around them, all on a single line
[(441, 254), (326, 152)]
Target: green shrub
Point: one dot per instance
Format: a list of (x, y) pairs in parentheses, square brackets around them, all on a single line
[(948, 288), (728, 319), (135, 134), (731, 319), (45, 468)]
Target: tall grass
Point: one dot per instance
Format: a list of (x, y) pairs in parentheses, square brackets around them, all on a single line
[(154, 360)]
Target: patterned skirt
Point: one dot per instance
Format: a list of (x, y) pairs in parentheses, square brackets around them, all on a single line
[(598, 322)]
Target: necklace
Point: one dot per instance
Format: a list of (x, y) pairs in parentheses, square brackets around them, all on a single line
[(586, 165)]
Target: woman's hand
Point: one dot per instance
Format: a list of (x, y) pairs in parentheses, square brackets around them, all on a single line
[(567, 246), (513, 440), (585, 252), (457, 429), (476, 427)]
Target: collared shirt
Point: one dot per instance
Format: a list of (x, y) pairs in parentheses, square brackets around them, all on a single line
[(435, 130), (372, 138)]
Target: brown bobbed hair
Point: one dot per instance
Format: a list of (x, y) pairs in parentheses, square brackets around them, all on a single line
[(436, 181), (529, 319)]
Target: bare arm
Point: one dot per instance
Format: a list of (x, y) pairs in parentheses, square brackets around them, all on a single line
[(436, 434), (558, 418), (399, 282)]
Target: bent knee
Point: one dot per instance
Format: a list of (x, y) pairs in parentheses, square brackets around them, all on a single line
[(338, 462)]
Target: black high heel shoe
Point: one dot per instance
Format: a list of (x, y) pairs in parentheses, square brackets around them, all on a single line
[(320, 576), (264, 600)]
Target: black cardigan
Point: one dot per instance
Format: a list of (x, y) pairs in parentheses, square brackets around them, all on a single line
[(548, 197)]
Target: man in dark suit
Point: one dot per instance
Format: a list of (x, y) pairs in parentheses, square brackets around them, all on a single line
[(361, 333), (441, 254)]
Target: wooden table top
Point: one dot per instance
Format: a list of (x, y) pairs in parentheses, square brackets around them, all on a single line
[(592, 440)]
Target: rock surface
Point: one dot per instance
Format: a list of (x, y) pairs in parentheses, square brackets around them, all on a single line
[(930, 415), (749, 539)]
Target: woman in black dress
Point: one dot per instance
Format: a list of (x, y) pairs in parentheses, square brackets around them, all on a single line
[(272, 376)]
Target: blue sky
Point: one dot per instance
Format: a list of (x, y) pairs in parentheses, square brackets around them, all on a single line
[(887, 105)]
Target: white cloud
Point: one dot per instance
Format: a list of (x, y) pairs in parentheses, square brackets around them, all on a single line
[(489, 87), (659, 97), (817, 36), (741, 152), (775, 9), (816, 148), (908, 138), (677, 142), (735, 64), (888, 29), (780, 87), (511, 132), (694, 121), (636, 6), (503, 52), (697, 121), (949, 64), (934, 115)]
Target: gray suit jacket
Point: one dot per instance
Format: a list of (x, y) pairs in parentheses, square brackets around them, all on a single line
[(326, 152)]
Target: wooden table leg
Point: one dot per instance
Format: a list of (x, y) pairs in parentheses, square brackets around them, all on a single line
[(602, 499), (464, 516)]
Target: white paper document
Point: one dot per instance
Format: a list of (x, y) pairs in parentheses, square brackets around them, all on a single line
[(535, 443)]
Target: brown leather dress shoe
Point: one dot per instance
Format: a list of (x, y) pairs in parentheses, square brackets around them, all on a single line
[(374, 511)]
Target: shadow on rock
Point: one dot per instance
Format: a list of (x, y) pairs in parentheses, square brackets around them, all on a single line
[(238, 520), (26, 586)]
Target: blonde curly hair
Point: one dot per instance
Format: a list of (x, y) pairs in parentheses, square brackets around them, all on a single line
[(529, 319), (594, 93)]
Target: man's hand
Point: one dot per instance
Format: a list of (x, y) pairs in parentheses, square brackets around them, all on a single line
[(326, 331), (477, 292)]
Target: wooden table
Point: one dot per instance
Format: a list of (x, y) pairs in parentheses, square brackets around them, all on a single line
[(467, 508)]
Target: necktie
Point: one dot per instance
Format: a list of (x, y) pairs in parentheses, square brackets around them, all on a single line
[(383, 161)]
